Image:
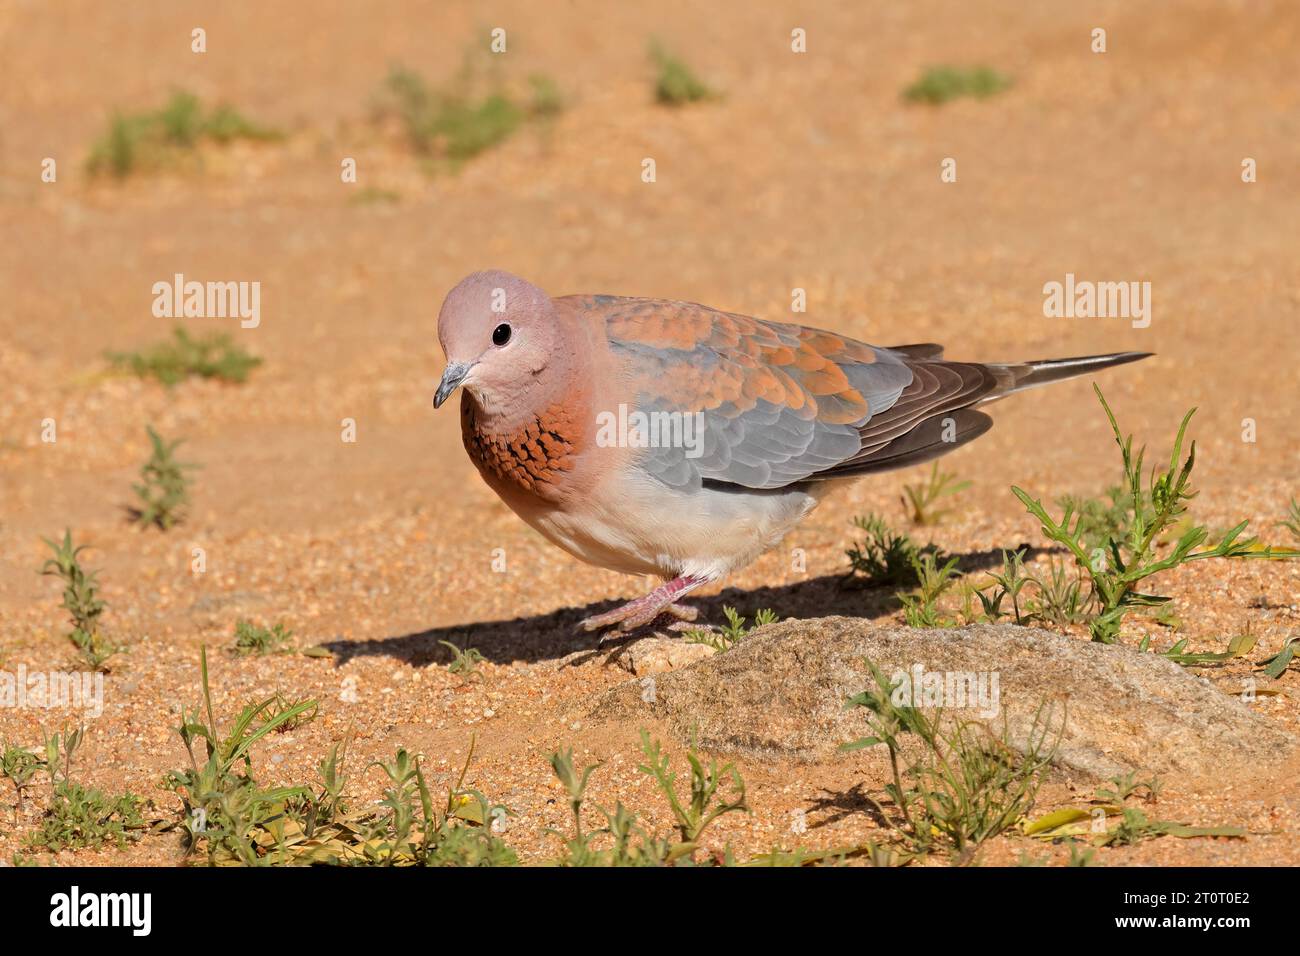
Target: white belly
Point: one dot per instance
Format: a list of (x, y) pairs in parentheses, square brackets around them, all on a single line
[(649, 528)]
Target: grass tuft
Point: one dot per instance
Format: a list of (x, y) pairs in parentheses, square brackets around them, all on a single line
[(254, 639), (171, 362), (920, 499), (675, 83), (79, 818), (624, 842), (883, 558), (722, 639), (229, 815), (164, 486), (921, 606), (464, 661), (158, 138), (456, 122), (81, 601), (968, 785), (1157, 505), (940, 84)]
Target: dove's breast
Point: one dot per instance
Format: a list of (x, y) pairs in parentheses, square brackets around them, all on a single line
[(638, 525)]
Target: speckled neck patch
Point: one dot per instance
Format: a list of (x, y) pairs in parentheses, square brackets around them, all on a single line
[(533, 458)]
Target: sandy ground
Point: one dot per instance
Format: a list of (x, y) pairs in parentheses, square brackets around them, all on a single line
[(809, 171)]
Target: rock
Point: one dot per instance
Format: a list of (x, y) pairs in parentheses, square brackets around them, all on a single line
[(659, 655), (780, 693)]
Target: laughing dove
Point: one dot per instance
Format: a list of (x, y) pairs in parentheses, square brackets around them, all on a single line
[(668, 438)]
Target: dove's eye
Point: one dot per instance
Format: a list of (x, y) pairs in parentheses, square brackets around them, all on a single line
[(501, 334)]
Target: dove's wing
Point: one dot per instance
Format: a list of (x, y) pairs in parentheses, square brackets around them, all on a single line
[(778, 403)]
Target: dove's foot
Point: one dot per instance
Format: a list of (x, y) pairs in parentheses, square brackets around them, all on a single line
[(662, 600)]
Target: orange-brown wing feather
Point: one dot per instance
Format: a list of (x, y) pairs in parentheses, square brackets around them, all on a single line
[(776, 403)]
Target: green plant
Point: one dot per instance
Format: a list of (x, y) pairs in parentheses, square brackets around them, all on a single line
[(59, 750), (157, 138), (80, 600), (622, 841), (1238, 646), (80, 818), (1116, 576), (223, 807), (414, 832), (1276, 665), (940, 84), (1133, 826), (883, 558), (968, 785), (704, 804), (675, 83), (919, 499), (226, 811), (1099, 522), (921, 606), (1081, 856), (19, 764), (1061, 600), (1127, 784), (723, 639), (1292, 520), (1008, 584), (213, 356), (457, 123), (255, 639), (464, 661), (164, 487)]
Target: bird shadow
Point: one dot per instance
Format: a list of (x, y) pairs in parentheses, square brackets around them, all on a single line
[(553, 636)]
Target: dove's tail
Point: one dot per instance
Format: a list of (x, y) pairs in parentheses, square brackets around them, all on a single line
[(933, 417), (1018, 376)]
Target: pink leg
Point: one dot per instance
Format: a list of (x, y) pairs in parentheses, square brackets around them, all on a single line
[(638, 613)]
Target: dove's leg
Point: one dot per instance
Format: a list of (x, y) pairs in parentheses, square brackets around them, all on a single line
[(662, 600)]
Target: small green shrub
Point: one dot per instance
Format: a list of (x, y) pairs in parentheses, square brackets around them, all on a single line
[(464, 661), (82, 819), (157, 138), (883, 558), (79, 818), (235, 820), (257, 640), (457, 122), (921, 606), (940, 84), (19, 765), (920, 499), (625, 842), (675, 83), (81, 601), (968, 785), (164, 486), (1116, 571), (171, 362), (724, 638)]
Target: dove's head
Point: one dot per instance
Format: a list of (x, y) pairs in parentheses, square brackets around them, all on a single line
[(503, 341)]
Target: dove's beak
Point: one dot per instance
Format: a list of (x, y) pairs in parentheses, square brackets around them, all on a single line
[(451, 379)]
